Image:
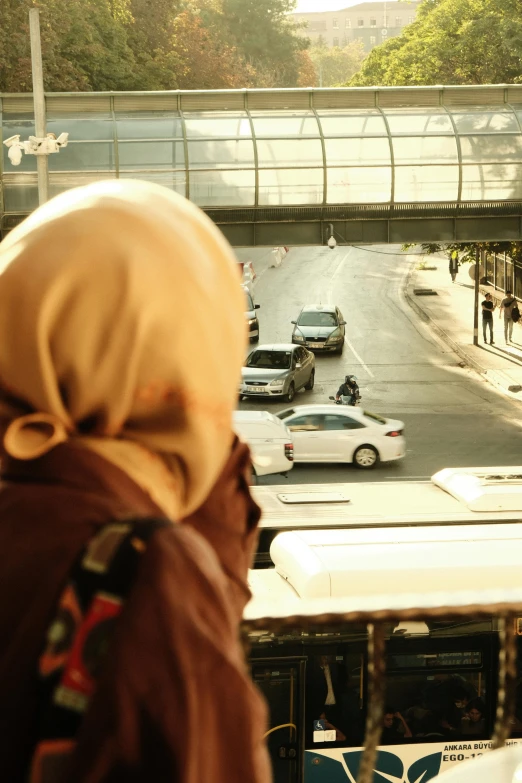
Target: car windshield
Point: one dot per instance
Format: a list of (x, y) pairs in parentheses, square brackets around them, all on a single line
[(270, 360), (249, 302), (317, 319), (374, 417)]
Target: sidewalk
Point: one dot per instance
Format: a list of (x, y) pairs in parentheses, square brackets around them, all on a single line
[(450, 314)]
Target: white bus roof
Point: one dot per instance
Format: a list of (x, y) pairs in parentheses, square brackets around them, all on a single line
[(453, 495), (401, 573)]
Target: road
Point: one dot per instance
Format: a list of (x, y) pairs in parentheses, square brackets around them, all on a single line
[(452, 417)]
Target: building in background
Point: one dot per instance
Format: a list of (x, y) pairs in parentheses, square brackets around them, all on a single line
[(372, 23)]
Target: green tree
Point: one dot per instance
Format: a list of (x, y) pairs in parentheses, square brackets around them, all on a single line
[(467, 250), (263, 31), (451, 42), (335, 65), (151, 22), (205, 61), (84, 45)]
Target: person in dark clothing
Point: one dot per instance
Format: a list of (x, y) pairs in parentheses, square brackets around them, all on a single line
[(458, 708), (323, 692), (454, 265), (474, 722), (349, 389), (487, 317), (394, 728)]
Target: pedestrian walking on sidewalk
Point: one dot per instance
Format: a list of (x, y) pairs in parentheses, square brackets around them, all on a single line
[(454, 265), (488, 306), (506, 307)]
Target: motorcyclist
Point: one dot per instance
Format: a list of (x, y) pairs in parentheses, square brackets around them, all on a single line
[(348, 391)]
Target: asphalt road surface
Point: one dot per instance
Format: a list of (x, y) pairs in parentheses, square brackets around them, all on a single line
[(453, 418)]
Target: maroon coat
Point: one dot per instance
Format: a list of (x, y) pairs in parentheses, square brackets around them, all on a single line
[(175, 702)]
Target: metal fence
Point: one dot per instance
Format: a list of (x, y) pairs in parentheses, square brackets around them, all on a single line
[(503, 273)]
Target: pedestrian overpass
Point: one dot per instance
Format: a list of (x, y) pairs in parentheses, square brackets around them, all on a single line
[(288, 167)]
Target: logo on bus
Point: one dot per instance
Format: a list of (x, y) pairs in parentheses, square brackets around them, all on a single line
[(389, 768)]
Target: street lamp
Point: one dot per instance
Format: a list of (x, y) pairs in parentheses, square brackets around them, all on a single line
[(34, 146)]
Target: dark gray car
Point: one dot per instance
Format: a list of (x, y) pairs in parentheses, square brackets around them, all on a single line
[(277, 370), (320, 328)]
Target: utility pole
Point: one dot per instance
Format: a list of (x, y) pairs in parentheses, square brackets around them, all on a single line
[(43, 144), (39, 103), (476, 299)]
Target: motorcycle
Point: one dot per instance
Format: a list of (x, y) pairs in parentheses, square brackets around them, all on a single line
[(353, 400), (349, 399)]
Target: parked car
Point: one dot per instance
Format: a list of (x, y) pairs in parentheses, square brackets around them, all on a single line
[(320, 328), (277, 370), (251, 316), (269, 440), (321, 433)]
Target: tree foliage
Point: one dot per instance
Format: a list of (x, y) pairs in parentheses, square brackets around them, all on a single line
[(468, 250), (84, 48), (207, 62), (335, 65), (451, 42), (153, 44), (264, 33), (307, 76)]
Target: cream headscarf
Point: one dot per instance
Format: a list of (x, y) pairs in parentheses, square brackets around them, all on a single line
[(122, 327)]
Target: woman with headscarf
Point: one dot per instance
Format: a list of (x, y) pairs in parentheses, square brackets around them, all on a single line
[(118, 303)]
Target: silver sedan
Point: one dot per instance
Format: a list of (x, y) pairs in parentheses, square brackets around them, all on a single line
[(277, 370)]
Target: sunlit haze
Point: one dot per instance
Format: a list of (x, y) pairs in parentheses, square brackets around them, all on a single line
[(327, 5)]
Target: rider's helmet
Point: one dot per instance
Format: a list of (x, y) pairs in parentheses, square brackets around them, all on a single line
[(351, 380)]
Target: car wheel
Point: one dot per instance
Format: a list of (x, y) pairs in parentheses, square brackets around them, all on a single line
[(289, 396), (310, 385), (366, 457), (340, 350), (254, 339)]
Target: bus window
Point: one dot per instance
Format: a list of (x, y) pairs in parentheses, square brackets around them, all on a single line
[(433, 707), (334, 700), (437, 692)]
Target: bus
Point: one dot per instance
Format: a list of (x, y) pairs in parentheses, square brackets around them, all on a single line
[(446, 599), (452, 496)]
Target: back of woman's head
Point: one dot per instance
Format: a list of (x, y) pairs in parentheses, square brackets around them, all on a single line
[(122, 319)]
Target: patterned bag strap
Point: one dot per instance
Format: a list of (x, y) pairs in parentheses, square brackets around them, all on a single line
[(79, 636)]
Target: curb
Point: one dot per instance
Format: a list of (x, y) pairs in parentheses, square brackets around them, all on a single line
[(451, 342)]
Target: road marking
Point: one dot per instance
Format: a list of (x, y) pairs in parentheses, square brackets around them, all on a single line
[(359, 359), (329, 293)]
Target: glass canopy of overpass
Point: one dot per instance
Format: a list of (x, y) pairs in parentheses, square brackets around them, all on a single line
[(269, 158)]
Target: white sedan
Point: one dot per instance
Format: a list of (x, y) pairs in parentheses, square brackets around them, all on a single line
[(327, 433)]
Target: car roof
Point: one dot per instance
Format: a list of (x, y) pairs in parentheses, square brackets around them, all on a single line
[(276, 347), (252, 415), (320, 308), (344, 410)]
